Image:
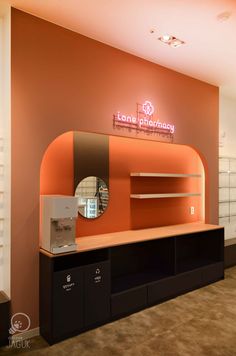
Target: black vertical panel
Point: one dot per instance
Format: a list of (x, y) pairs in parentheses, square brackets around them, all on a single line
[(91, 156), (67, 301), (97, 293), (45, 297), (4, 319)]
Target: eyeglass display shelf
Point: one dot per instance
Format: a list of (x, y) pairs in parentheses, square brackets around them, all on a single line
[(165, 195), (228, 172), (165, 175), (227, 187), (227, 201)]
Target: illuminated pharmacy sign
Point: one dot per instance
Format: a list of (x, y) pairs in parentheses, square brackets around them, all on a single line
[(143, 121)]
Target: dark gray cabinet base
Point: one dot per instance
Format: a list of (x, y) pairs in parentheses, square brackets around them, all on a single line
[(80, 291), (128, 301)]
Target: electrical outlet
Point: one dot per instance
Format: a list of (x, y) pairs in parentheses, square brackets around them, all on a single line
[(192, 210)]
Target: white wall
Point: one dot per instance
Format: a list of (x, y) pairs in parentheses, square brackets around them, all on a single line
[(5, 146), (227, 126)]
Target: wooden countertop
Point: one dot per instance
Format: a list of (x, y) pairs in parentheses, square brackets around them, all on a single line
[(95, 242)]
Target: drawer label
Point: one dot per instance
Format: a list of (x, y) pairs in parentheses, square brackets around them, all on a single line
[(69, 285), (98, 277)]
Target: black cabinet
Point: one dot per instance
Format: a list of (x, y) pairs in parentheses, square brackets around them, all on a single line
[(4, 319), (79, 291), (67, 302), (74, 293), (97, 293)]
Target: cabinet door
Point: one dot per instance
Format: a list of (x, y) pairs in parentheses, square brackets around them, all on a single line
[(67, 302), (97, 293)]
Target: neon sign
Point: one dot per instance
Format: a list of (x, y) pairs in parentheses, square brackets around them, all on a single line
[(143, 120)]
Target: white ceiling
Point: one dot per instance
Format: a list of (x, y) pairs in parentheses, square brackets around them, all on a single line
[(210, 50)]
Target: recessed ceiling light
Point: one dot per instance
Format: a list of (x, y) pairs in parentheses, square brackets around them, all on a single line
[(171, 41), (165, 38)]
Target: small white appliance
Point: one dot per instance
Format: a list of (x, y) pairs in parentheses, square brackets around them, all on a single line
[(58, 215)]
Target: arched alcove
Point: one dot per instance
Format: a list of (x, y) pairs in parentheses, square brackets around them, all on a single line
[(183, 174)]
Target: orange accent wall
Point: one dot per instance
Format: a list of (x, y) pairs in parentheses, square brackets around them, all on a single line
[(62, 81), (57, 168), (124, 213)]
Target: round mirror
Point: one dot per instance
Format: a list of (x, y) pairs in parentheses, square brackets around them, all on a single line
[(93, 195)]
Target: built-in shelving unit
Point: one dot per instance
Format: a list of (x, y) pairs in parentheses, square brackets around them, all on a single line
[(167, 195), (165, 175)]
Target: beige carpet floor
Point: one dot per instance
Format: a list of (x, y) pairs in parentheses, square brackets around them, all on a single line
[(200, 323)]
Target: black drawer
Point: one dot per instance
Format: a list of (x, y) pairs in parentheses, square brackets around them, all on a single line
[(212, 273), (173, 286), (67, 302), (97, 291), (128, 301)]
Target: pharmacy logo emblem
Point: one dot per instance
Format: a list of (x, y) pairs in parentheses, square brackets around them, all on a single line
[(20, 322), (148, 108)]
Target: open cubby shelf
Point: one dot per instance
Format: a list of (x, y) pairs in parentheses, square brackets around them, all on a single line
[(82, 290), (190, 264), (133, 280)]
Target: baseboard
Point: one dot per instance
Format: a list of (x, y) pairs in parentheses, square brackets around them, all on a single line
[(26, 334)]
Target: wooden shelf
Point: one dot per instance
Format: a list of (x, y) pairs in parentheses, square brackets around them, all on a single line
[(166, 195), (165, 175)]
